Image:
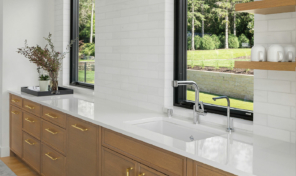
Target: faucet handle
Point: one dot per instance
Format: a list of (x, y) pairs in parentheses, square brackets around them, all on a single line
[(202, 109)]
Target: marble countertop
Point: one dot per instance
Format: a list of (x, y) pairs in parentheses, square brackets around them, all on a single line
[(237, 153)]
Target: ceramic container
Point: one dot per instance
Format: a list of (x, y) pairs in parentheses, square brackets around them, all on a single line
[(258, 53), (275, 53), (43, 85), (289, 53)]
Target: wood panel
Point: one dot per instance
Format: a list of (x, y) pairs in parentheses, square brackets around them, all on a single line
[(53, 163), (32, 124), (195, 168), (54, 136), (146, 171), (31, 151), (54, 116), (114, 164), (16, 100), (280, 66), (32, 107), (267, 7), (81, 148), (162, 160), (16, 140)]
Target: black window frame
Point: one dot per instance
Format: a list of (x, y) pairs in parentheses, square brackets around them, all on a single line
[(180, 67), (74, 33)]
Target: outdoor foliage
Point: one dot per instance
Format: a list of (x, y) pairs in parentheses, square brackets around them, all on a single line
[(243, 39), (88, 49), (207, 43), (197, 42), (216, 41), (233, 41)]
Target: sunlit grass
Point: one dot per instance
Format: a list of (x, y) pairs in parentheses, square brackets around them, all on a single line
[(90, 76)]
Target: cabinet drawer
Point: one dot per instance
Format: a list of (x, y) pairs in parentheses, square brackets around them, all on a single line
[(53, 163), (54, 136), (162, 160), (32, 124), (32, 107), (54, 116), (146, 171), (16, 100), (31, 151), (16, 134)]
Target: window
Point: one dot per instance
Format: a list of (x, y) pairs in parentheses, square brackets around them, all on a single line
[(202, 54), (83, 51)]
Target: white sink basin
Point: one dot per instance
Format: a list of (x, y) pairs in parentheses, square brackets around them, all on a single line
[(177, 129)]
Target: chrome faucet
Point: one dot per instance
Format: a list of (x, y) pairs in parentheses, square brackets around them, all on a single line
[(229, 128), (197, 111)]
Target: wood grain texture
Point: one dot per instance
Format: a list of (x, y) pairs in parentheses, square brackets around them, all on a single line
[(32, 124), (195, 168), (148, 171), (16, 100), (50, 166), (57, 141), (81, 148), (18, 166), (267, 6), (54, 116), (159, 159), (280, 66), (31, 153), (16, 139), (32, 107)]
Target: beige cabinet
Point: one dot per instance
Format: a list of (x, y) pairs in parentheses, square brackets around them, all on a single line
[(31, 151), (16, 142)]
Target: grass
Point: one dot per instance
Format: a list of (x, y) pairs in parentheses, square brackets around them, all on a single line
[(217, 54), (90, 76), (80, 60), (207, 98)]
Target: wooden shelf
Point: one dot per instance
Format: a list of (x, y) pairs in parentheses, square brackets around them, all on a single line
[(280, 66), (267, 6)]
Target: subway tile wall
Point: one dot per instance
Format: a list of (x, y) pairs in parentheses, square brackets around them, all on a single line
[(134, 52), (274, 96)]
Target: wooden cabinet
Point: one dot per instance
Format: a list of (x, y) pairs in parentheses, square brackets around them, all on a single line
[(146, 171), (81, 148), (32, 107), (16, 142), (16, 100), (53, 163), (32, 124), (195, 168), (114, 164), (54, 116), (31, 151)]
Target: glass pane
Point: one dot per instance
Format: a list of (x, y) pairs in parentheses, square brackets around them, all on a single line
[(86, 63), (217, 36)]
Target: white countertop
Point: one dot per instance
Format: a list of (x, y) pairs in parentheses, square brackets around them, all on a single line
[(240, 154)]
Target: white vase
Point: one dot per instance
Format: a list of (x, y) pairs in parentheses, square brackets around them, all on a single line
[(258, 53), (275, 54), (43, 85), (290, 53)]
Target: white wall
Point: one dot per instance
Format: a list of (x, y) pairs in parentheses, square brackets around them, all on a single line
[(134, 52), (274, 91), (31, 20)]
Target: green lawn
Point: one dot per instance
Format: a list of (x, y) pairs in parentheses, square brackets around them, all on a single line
[(217, 54), (207, 98), (80, 60), (90, 76)]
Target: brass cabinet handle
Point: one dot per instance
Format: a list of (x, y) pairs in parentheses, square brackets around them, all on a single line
[(14, 112), (28, 120), (15, 101), (81, 129), (142, 174), (29, 107), (52, 132), (28, 142), (52, 158), (128, 171), (53, 117)]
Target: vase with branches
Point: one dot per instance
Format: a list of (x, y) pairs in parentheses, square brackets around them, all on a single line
[(46, 58)]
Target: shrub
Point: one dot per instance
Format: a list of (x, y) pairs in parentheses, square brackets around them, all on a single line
[(233, 41), (88, 49), (197, 42), (189, 43), (216, 41), (243, 39), (207, 43), (222, 41)]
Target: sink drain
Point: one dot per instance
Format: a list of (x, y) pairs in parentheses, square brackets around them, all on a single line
[(191, 138)]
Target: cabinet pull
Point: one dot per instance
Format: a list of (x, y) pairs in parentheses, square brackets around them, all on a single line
[(142, 174), (28, 142), (28, 120), (29, 107), (81, 129), (53, 117), (52, 132), (15, 101), (128, 171), (15, 112), (52, 158)]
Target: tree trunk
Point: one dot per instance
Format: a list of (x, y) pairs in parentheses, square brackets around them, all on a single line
[(202, 22), (234, 24), (92, 23), (192, 28), (226, 30)]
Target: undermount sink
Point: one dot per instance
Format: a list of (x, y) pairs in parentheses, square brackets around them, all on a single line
[(177, 129)]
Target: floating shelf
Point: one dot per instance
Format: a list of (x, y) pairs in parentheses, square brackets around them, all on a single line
[(267, 7), (280, 66)]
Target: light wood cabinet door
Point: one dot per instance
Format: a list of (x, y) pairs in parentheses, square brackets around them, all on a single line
[(195, 168), (16, 100), (53, 163), (31, 151), (16, 142), (81, 148), (114, 164), (32, 107), (146, 171), (31, 124)]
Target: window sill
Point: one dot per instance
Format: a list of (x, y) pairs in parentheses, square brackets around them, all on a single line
[(81, 90)]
